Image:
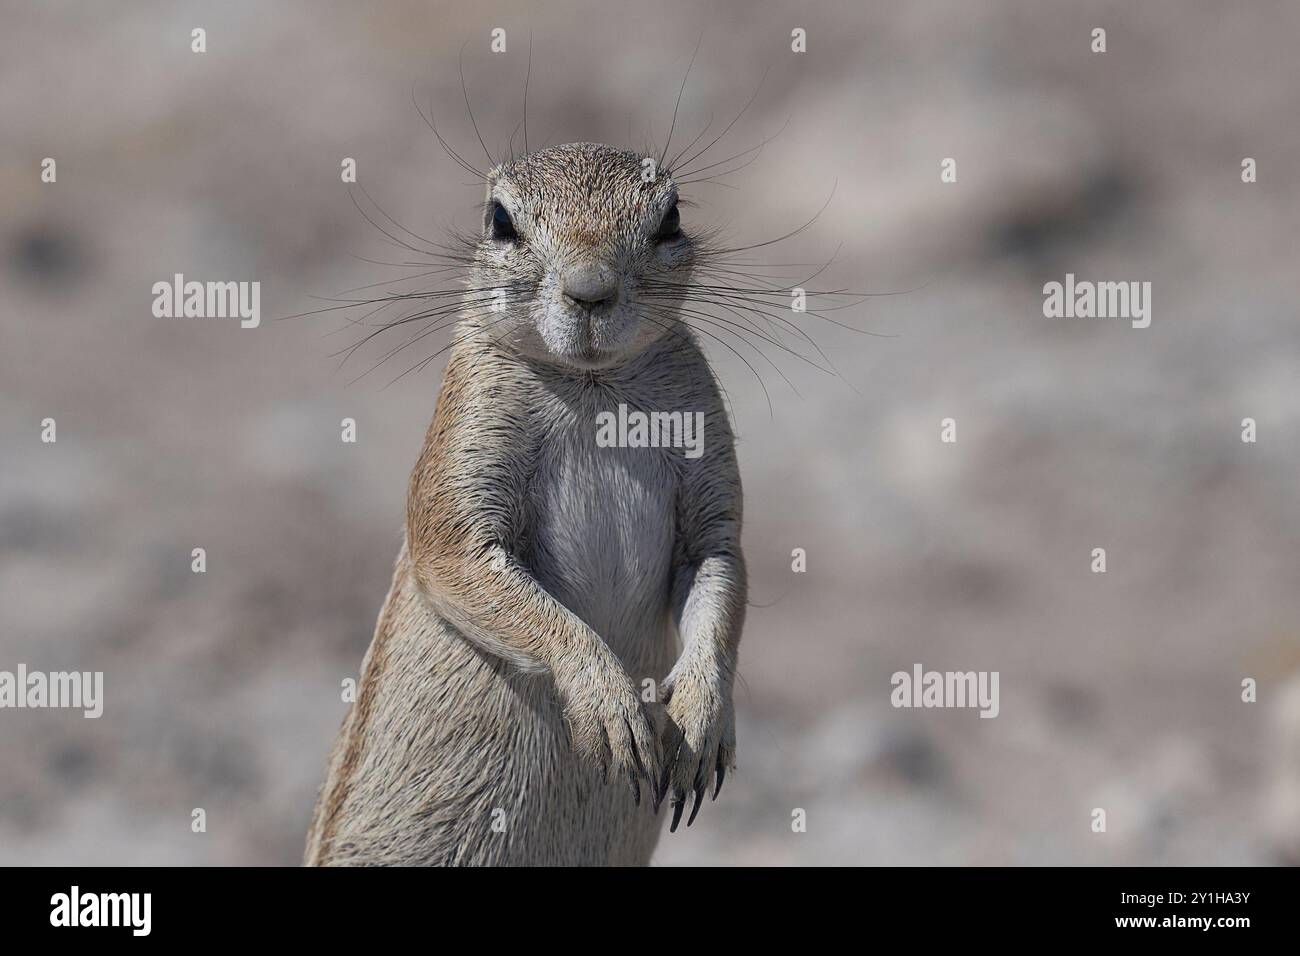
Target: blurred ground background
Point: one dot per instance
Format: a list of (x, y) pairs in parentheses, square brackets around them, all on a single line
[(1119, 691)]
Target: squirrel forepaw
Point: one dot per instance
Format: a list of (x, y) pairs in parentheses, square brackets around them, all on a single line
[(699, 743), (610, 729)]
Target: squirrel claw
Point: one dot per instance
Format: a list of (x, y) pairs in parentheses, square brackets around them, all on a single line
[(679, 804), (699, 802), (636, 758)]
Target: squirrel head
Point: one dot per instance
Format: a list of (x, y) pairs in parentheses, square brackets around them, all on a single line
[(582, 254)]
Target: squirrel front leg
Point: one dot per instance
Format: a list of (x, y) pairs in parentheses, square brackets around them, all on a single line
[(463, 513), (709, 599)]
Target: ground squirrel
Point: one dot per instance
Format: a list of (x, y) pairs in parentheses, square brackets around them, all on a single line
[(503, 714)]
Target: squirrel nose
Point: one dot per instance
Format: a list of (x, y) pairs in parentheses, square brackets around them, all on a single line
[(590, 286)]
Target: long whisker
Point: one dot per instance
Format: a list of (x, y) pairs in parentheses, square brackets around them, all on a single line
[(527, 76), (446, 147), (460, 62), (763, 385), (677, 165), (693, 175), (677, 105)]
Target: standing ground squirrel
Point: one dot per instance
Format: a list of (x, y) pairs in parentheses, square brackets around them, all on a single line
[(545, 576)]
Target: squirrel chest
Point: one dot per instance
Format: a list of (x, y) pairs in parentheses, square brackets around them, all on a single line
[(602, 523)]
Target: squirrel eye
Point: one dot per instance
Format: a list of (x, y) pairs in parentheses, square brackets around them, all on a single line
[(502, 226), (671, 226)]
